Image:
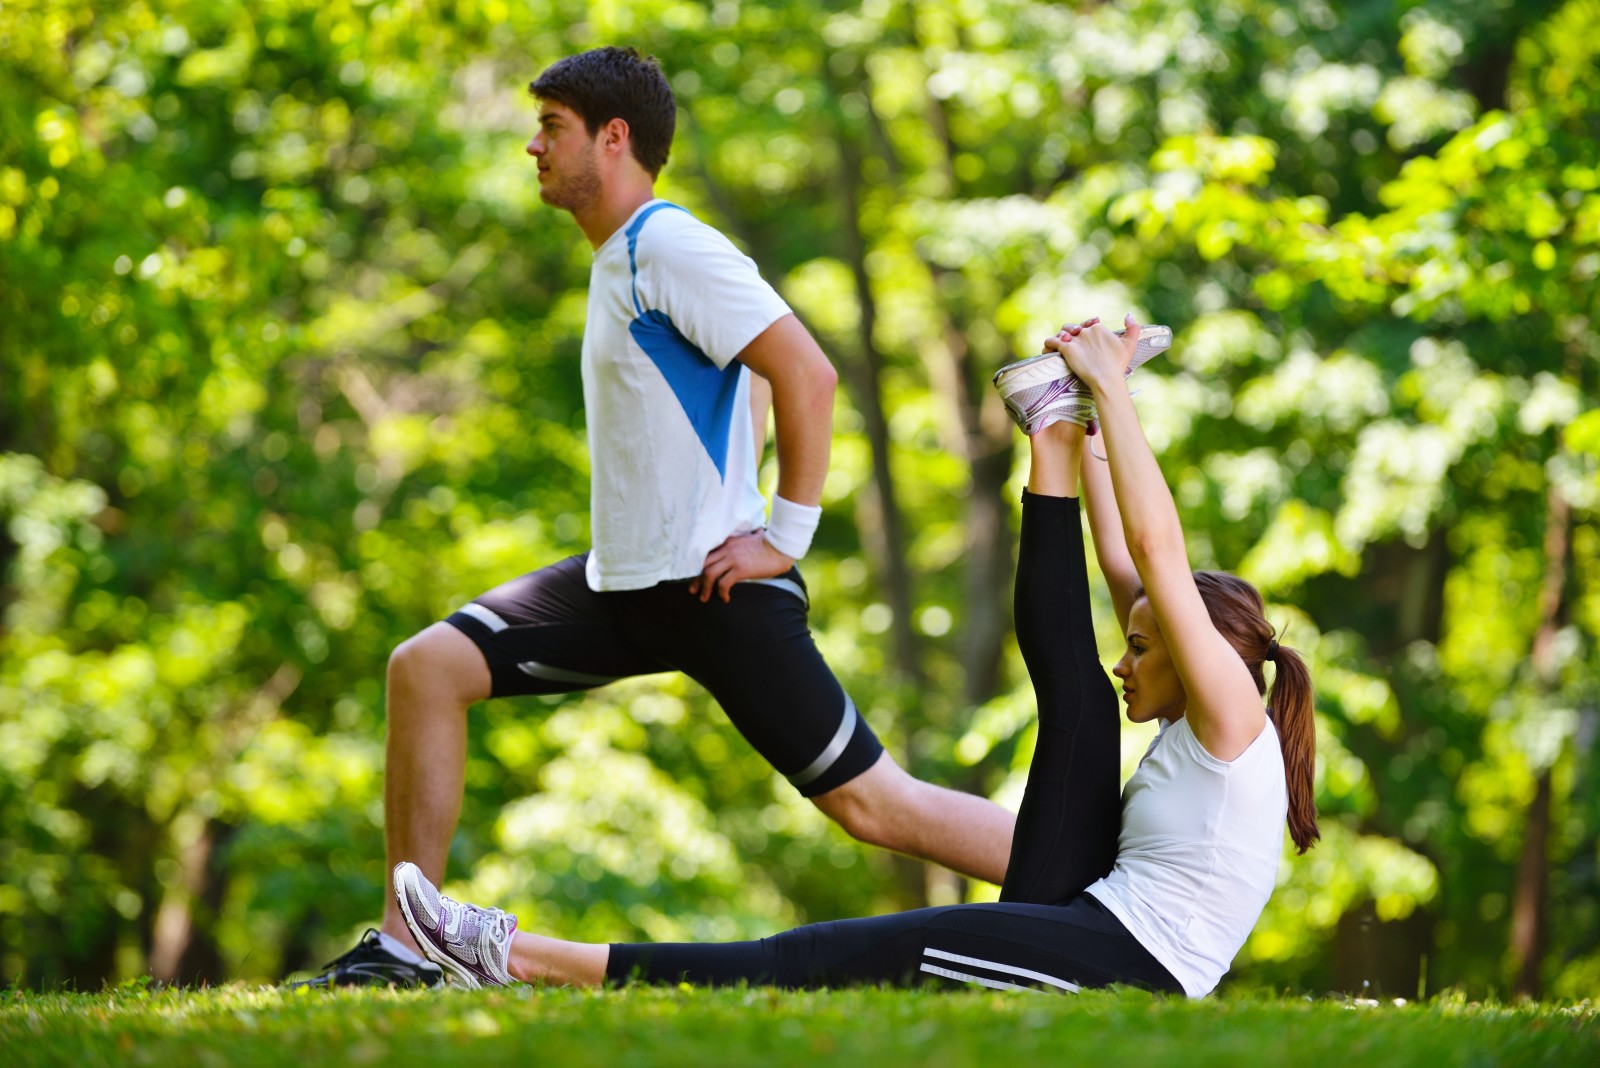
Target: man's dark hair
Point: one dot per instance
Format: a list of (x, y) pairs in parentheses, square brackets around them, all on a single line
[(616, 83)]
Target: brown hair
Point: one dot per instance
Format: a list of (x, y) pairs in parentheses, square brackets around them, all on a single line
[(616, 83), (1238, 614)]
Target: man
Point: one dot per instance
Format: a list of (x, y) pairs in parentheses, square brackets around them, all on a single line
[(683, 344)]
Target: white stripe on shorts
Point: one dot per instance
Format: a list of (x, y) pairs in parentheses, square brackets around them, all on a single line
[(785, 584), (832, 751), (486, 616), (555, 674)]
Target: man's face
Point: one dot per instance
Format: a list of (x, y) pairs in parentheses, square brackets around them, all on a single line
[(568, 175)]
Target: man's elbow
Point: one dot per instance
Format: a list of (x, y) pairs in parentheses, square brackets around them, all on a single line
[(824, 378), (812, 380)]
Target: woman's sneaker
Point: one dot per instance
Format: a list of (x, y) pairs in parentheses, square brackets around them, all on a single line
[(471, 944), (1041, 390)]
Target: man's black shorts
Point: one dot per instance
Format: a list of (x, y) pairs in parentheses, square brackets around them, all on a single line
[(548, 632)]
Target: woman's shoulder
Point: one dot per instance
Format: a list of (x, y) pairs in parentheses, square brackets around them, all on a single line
[(1264, 747)]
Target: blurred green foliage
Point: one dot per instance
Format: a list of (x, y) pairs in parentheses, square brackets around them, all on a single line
[(288, 370)]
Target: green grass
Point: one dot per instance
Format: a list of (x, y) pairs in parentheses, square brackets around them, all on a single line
[(875, 1028)]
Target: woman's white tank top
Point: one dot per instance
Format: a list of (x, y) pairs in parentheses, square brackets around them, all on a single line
[(1198, 854)]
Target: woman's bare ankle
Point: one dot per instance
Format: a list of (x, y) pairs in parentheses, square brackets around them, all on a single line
[(1055, 454), (541, 959)]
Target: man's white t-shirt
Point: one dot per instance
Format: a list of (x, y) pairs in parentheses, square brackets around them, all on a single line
[(671, 447), (1198, 853)]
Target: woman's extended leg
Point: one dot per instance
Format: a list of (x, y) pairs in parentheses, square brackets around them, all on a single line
[(1004, 946), (1066, 834), (998, 945)]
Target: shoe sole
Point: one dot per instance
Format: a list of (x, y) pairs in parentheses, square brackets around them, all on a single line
[(1153, 340), (453, 972), (1050, 397), (1050, 365)]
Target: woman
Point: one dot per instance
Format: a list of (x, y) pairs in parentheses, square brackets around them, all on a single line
[(1158, 888)]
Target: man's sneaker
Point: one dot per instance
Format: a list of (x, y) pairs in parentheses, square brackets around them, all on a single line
[(1041, 390), (377, 960), (470, 943)]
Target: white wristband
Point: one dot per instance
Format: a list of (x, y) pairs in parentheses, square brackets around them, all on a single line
[(791, 527)]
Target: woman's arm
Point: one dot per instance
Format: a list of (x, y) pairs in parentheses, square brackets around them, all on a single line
[(1110, 544), (1223, 707), (1063, 479)]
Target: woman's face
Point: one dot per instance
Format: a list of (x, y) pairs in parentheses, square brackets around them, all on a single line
[(1150, 683)]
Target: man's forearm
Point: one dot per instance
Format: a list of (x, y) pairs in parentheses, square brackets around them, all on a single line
[(803, 412), (760, 408), (803, 383)]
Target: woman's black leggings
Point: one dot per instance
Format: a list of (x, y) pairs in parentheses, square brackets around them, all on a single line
[(1044, 932)]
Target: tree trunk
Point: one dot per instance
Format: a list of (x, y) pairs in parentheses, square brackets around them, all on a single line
[(883, 523), (1530, 906), (984, 441), (1379, 958), (986, 444), (1529, 920), (174, 930), (863, 374)]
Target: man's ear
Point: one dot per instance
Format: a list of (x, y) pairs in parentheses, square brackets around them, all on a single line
[(614, 135)]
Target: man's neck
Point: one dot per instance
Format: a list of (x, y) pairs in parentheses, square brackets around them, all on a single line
[(602, 219)]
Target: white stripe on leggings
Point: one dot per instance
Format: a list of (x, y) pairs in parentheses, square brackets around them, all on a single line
[(1009, 969), (992, 984)]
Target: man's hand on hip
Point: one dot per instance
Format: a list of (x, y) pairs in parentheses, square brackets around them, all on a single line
[(743, 556)]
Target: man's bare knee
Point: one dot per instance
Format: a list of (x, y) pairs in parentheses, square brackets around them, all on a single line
[(871, 807), (440, 662), (856, 818)]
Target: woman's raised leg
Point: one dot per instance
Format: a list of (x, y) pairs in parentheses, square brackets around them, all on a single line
[(1066, 836)]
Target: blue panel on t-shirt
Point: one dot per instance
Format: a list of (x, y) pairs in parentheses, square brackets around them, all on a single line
[(633, 244), (707, 393)]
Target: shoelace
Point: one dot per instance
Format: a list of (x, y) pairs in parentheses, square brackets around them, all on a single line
[(367, 941), (497, 921)]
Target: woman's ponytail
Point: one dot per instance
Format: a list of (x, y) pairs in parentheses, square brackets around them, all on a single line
[(1289, 704), (1237, 612)]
